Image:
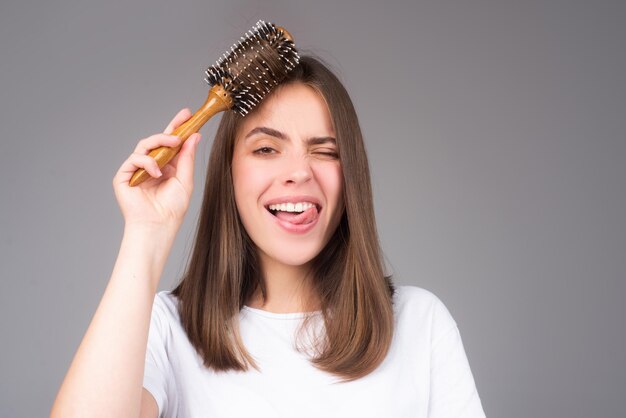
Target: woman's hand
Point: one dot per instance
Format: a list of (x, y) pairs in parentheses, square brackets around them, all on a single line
[(162, 200)]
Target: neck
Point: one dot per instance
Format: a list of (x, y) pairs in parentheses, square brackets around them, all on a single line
[(287, 288)]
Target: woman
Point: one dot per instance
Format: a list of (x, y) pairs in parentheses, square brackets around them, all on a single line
[(284, 309)]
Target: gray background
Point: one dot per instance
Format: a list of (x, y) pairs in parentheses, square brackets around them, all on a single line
[(495, 131)]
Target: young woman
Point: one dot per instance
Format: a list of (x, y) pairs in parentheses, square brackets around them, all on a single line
[(284, 309)]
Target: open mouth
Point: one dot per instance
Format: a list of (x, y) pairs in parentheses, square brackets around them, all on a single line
[(300, 213)]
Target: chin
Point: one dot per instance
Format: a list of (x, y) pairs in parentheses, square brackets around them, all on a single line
[(294, 256)]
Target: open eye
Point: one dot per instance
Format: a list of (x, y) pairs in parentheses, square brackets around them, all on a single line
[(264, 151)]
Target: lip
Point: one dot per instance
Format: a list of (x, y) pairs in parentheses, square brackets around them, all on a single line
[(288, 226)]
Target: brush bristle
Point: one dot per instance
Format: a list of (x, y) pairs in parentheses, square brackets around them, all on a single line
[(254, 65)]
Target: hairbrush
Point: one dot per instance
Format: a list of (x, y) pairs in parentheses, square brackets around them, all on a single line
[(240, 79)]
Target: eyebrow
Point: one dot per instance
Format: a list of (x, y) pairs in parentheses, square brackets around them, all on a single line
[(280, 135)]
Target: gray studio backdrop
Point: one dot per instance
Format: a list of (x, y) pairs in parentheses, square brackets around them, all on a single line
[(495, 131)]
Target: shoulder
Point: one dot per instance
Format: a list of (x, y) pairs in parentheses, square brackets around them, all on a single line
[(420, 310), (165, 308), (417, 300)]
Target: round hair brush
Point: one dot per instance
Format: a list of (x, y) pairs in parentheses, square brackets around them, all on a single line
[(240, 79)]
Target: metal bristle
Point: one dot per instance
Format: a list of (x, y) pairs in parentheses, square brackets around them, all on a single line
[(255, 64)]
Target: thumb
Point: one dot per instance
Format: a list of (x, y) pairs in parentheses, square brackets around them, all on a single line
[(186, 157)]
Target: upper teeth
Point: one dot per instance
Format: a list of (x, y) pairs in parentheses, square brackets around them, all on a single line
[(292, 207)]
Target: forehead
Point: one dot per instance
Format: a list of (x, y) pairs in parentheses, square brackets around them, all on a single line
[(294, 108)]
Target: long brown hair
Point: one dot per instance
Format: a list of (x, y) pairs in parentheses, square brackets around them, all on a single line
[(223, 271)]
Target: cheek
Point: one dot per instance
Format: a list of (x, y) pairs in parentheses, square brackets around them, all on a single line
[(241, 184), (331, 180), (248, 182)]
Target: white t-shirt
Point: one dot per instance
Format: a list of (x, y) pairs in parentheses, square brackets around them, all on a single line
[(425, 374)]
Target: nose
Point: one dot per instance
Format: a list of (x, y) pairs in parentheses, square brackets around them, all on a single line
[(297, 170)]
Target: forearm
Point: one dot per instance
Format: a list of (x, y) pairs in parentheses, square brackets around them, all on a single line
[(106, 374)]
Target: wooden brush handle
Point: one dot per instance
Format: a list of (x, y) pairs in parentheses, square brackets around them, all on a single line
[(217, 101)]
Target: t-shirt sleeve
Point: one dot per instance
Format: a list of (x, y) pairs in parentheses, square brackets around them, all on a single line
[(157, 371), (453, 392)]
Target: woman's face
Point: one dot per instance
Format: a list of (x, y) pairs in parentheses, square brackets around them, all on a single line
[(287, 176)]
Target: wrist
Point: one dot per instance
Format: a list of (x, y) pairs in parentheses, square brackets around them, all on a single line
[(142, 257), (154, 230), (149, 242)]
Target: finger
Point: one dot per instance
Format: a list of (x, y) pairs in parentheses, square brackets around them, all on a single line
[(168, 171), (186, 157), (174, 160), (135, 162), (155, 141), (178, 120)]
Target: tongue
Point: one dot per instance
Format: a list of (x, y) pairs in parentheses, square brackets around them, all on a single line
[(305, 217)]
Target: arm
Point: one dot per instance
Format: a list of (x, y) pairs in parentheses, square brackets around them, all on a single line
[(149, 407), (105, 378), (453, 390)]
